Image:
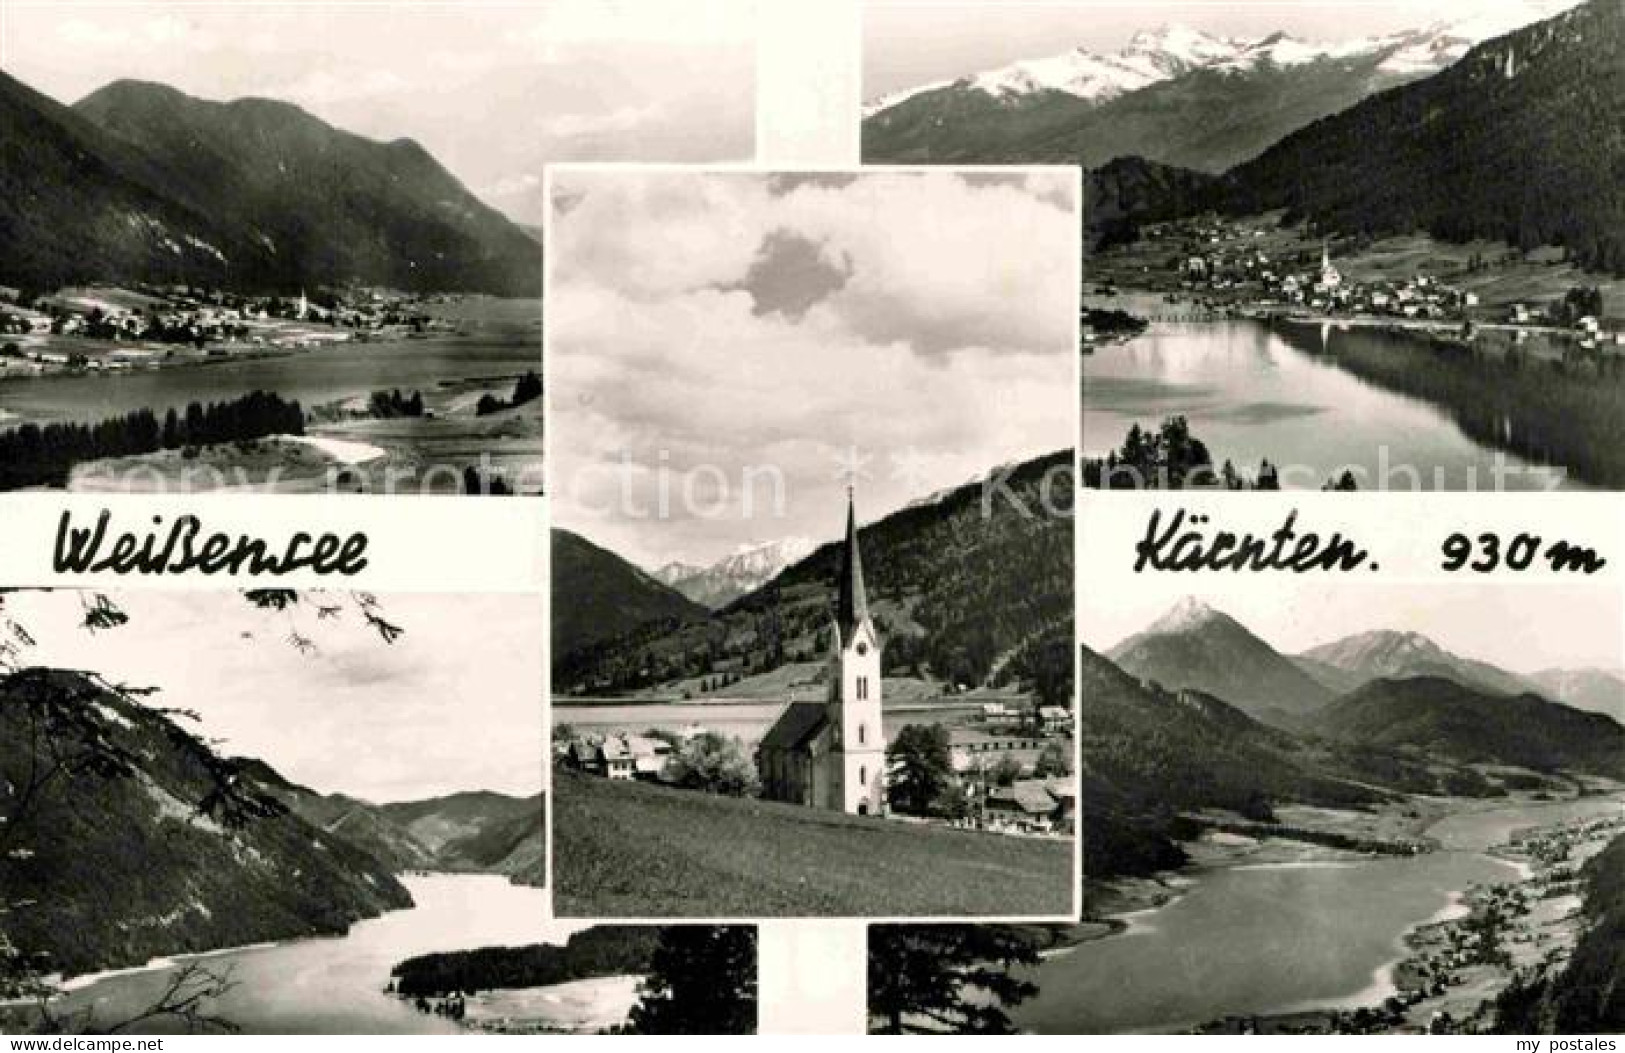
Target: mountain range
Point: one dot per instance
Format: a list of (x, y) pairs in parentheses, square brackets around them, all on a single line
[(1195, 646), (1478, 130), (1173, 94), (959, 596), (477, 831), (129, 838), (744, 570), (1198, 714), (140, 183)]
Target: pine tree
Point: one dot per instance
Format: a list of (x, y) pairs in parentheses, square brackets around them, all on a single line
[(947, 978), (701, 981)]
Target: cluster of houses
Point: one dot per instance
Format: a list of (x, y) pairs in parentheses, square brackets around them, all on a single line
[(1009, 735), (180, 315), (1225, 260), (619, 755), (1324, 289)]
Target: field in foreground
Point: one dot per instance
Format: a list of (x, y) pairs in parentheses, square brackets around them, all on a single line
[(631, 850)]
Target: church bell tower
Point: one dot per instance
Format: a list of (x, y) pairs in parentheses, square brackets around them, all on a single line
[(858, 748)]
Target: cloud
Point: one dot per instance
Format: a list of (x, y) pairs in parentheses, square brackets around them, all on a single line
[(709, 329)]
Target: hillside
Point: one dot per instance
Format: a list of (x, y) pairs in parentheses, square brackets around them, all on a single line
[(1446, 719), (77, 204), (473, 831), (599, 596), (332, 208), (141, 183), (1597, 690), (478, 830), (1198, 647), (150, 844), (1521, 141), (1127, 192), (353, 820), (1149, 755), (953, 593), (633, 850), (1587, 996), (1215, 118), (1369, 656)]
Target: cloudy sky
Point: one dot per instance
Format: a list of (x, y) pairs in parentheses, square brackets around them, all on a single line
[(492, 89), (912, 42), (454, 704), (713, 330), (1523, 627)]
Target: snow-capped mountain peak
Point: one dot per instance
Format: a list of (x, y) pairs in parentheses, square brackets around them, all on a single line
[(1179, 48), (1168, 51), (748, 567)]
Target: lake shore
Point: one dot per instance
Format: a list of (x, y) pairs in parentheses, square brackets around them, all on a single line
[(1452, 966)]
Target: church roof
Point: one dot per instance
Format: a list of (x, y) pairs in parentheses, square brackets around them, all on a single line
[(852, 606), (799, 722)]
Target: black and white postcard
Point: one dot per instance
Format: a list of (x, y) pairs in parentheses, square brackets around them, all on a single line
[(297, 248), (1375, 248), (812, 544)]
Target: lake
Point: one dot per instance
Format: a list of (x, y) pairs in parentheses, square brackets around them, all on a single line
[(1314, 400), (335, 985), (499, 338), (1266, 939)]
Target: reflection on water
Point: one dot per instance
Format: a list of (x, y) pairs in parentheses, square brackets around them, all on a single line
[(1317, 401), (335, 985), (1255, 940)]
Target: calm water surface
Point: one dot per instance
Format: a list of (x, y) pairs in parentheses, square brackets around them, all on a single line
[(335, 985), (1265, 939), (500, 338), (1253, 394)]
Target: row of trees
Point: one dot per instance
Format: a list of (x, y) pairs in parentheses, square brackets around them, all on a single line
[(388, 405), (527, 389), (1170, 458), (43, 455)]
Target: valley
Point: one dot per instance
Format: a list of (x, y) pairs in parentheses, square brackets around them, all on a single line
[(210, 252), (1291, 961), (1339, 246), (1375, 834), (136, 856)]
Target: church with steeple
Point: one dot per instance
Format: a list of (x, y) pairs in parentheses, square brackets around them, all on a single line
[(832, 754)]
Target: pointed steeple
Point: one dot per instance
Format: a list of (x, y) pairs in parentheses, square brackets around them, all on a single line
[(853, 605)]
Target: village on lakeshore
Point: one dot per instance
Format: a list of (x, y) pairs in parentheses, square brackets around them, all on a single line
[(1210, 266), (118, 328), (1499, 945)]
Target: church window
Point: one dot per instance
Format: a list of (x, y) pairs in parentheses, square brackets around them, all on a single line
[(861, 734), (863, 776), (863, 688)]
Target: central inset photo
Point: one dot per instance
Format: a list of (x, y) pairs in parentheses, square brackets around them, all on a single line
[(812, 457)]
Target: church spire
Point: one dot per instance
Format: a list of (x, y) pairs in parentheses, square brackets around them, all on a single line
[(853, 605)]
